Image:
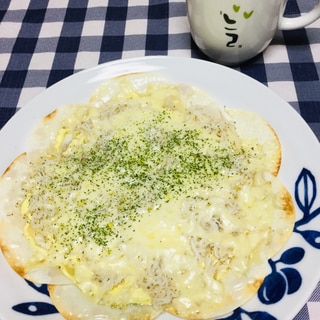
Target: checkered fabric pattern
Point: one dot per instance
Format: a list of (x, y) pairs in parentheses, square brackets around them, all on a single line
[(42, 42)]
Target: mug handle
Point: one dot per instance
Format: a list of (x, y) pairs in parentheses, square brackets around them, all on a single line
[(300, 22)]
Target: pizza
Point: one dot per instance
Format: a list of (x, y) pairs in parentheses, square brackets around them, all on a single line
[(151, 197)]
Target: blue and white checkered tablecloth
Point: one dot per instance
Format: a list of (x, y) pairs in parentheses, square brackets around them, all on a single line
[(42, 42)]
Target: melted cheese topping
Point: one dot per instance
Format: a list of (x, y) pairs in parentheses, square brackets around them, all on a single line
[(148, 200)]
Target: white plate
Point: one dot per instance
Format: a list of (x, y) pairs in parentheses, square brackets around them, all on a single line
[(294, 273)]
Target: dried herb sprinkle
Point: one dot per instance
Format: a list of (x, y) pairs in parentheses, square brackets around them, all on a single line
[(127, 174)]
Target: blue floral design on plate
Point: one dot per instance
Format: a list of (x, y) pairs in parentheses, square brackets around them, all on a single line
[(281, 281), (254, 315), (305, 195), (36, 308)]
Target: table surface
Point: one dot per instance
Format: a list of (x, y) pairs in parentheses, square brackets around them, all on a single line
[(42, 42)]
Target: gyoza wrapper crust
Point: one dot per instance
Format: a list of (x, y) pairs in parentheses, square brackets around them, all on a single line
[(33, 266)]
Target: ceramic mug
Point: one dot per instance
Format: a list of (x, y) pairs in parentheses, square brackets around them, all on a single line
[(233, 31)]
